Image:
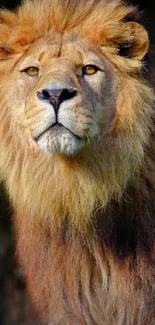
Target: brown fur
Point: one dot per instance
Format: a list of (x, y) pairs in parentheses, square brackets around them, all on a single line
[(85, 224)]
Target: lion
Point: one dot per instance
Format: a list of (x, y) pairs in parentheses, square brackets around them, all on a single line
[(78, 158)]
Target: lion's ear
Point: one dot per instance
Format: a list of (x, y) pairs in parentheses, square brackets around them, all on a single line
[(133, 41)]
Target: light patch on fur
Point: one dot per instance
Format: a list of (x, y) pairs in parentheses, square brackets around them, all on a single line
[(60, 141)]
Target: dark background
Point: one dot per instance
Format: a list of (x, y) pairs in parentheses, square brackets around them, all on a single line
[(15, 306)]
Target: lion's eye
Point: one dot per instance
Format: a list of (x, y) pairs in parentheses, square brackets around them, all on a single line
[(32, 71), (89, 70)]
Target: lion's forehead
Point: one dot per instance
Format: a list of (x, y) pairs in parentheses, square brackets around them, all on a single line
[(77, 52)]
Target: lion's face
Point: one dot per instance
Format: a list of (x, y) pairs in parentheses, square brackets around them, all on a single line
[(65, 95)]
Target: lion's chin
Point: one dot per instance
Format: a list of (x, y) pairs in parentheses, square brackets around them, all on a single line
[(59, 139)]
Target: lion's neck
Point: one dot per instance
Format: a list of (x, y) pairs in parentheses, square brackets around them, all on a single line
[(60, 188)]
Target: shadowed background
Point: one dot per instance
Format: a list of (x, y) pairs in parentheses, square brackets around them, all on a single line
[(15, 306)]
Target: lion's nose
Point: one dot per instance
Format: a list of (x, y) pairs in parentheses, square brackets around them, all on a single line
[(56, 96)]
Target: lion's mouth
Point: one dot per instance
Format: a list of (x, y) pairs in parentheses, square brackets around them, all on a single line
[(58, 138), (59, 128)]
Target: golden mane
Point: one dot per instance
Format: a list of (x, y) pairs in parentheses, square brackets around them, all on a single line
[(80, 232), (21, 28)]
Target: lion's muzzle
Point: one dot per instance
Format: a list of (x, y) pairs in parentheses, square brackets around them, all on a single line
[(58, 137)]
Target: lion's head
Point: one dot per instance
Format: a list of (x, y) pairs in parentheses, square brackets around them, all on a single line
[(75, 108), (65, 94)]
